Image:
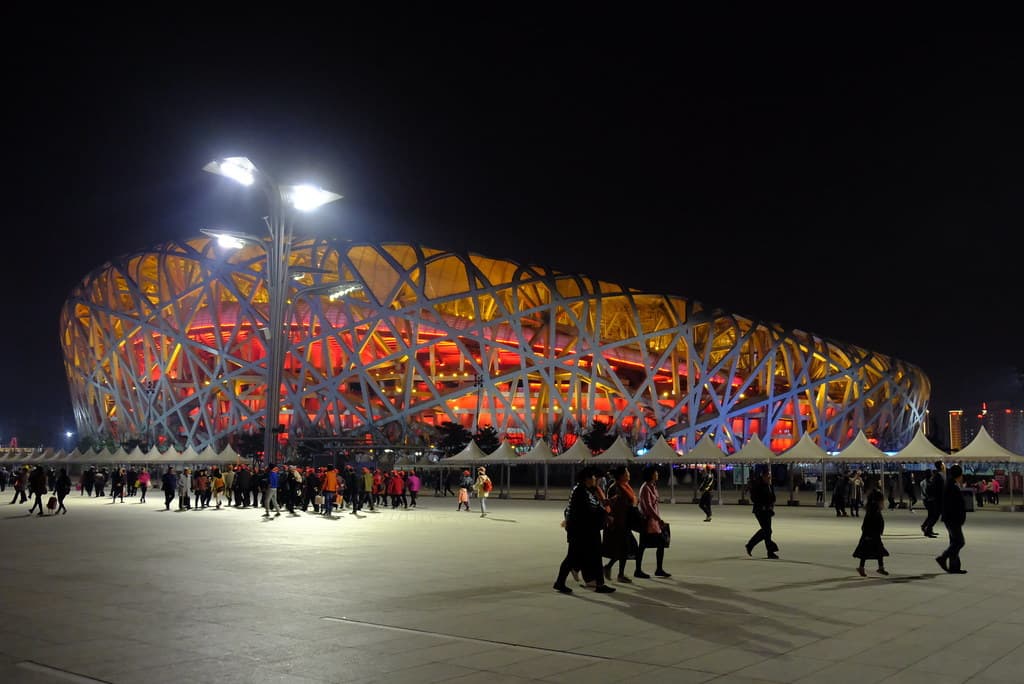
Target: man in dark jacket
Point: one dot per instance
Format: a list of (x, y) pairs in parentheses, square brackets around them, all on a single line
[(37, 485), (169, 483), (707, 485), (762, 496), (933, 491), (954, 515)]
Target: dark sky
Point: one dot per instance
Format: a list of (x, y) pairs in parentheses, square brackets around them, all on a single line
[(866, 190)]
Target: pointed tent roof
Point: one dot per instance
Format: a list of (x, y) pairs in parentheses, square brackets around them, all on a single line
[(804, 451), (706, 451), (661, 452), (471, 454), (861, 450), (984, 448), (579, 451), (618, 452), (753, 451), (540, 453), (137, 455), (229, 453), (503, 454), (919, 450)]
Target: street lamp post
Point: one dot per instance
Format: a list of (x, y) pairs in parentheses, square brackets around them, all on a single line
[(283, 201)]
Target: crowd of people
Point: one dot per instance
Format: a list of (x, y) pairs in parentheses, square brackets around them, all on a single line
[(603, 514), (599, 523)]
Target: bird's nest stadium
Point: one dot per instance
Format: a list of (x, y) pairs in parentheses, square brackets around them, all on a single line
[(170, 344)]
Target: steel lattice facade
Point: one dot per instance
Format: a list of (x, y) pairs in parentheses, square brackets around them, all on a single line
[(170, 344)]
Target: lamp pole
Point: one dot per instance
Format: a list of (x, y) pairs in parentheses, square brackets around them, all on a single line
[(283, 201)]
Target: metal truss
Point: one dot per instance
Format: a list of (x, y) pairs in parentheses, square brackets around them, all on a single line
[(169, 345)]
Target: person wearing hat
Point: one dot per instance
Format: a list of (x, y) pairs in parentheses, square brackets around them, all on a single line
[(483, 488), (465, 484)]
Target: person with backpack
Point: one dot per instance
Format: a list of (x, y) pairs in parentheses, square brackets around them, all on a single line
[(483, 487)]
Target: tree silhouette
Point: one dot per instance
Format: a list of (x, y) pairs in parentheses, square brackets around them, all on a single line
[(599, 437), (487, 439), (454, 438)]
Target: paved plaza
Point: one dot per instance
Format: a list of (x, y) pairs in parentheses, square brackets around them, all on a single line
[(130, 593)]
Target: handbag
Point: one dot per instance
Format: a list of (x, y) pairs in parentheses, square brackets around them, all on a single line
[(666, 535), (318, 500)]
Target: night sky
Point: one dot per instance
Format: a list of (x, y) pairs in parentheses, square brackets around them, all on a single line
[(868, 191)]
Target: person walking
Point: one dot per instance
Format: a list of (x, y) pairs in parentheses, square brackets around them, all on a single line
[(651, 536), (169, 483), (118, 481), (619, 543), (63, 488), (584, 520), (933, 494), (483, 487), (415, 484), (954, 515), (707, 485), (20, 485), (993, 491), (143, 483), (856, 493), (37, 486), (465, 484), (270, 497), (762, 496), (329, 489), (870, 544)]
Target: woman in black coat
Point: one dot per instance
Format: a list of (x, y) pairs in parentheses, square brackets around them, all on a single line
[(870, 544), (584, 521)]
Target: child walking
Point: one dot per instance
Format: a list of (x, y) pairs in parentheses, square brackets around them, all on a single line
[(464, 484), (870, 544)]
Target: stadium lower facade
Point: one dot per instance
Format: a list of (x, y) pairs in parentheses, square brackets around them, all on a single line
[(169, 346)]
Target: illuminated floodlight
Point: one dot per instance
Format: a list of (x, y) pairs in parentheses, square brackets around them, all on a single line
[(229, 239), (342, 290), (238, 169), (307, 197)]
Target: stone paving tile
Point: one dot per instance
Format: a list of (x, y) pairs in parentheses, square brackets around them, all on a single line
[(859, 671), (150, 580)]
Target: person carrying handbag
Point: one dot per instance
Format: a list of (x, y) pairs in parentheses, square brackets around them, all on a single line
[(619, 543), (651, 537)]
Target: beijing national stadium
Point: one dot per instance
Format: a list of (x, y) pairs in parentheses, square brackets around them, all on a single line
[(170, 344)]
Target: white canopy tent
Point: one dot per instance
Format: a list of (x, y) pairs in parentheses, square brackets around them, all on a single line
[(661, 452), (984, 449), (470, 454), (860, 450), (619, 452), (540, 454), (919, 450), (579, 451), (805, 451), (754, 451), (505, 455)]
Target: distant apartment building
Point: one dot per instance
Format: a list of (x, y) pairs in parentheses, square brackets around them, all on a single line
[(956, 430), (1004, 423)]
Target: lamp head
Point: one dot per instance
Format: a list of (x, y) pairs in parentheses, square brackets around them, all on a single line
[(238, 169)]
